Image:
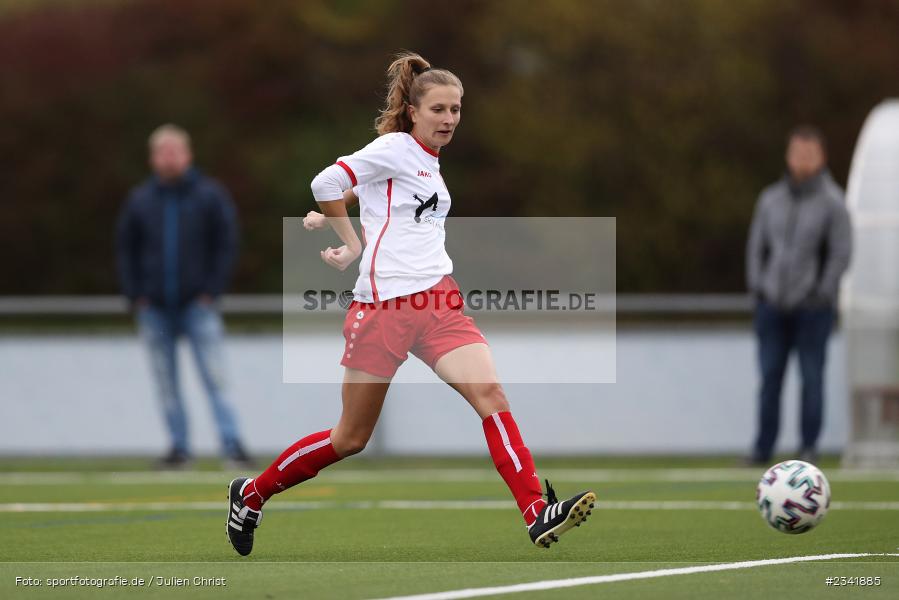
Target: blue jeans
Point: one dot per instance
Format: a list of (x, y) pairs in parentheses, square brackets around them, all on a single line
[(778, 332), (202, 324)]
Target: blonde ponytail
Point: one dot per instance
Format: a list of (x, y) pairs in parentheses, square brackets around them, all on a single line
[(409, 77)]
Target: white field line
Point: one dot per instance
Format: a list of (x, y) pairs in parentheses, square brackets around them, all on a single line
[(432, 476), (553, 584), (53, 507)]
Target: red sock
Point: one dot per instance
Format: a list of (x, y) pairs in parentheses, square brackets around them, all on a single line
[(298, 463), (514, 463)]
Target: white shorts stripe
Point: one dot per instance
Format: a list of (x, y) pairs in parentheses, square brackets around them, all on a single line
[(304, 450), (505, 436)]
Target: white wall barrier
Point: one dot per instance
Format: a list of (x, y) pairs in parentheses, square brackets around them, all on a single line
[(679, 389)]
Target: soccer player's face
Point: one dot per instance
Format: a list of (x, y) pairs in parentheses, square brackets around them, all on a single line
[(805, 157), (437, 115), (170, 157)]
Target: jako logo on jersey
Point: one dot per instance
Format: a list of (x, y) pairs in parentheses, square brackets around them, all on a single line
[(431, 203), (424, 174)]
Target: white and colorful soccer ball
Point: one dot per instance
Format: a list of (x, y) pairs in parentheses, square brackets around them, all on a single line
[(793, 496)]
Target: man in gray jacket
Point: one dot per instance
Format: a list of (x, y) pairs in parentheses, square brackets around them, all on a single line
[(799, 246)]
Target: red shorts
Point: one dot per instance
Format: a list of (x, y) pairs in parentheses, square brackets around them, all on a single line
[(428, 324)]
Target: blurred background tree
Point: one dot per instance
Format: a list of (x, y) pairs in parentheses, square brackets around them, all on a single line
[(670, 116)]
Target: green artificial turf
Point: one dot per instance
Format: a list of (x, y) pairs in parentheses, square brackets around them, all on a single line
[(339, 536)]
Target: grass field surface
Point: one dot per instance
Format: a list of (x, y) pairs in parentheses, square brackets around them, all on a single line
[(366, 528)]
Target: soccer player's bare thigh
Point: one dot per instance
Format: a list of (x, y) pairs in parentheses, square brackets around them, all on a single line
[(470, 370)]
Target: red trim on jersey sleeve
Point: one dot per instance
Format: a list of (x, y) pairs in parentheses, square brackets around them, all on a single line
[(371, 273), (349, 171), (425, 148)]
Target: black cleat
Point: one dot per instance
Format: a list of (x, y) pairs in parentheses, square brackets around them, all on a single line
[(558, 517), (242, 519)]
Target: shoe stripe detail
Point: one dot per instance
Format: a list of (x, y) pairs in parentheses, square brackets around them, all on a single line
[(304, 450), (235, 507), (236, 526), (236, 517), (505, 437), (244, 486)]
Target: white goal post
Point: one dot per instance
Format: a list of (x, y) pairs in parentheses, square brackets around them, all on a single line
[(870, 293)]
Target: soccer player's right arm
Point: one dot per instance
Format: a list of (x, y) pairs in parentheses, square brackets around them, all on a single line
[(342, 257), (350, 199), (339, 220), (378, 161), (316, 220)]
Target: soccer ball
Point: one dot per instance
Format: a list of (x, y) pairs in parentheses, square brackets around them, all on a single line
[(793, 496)]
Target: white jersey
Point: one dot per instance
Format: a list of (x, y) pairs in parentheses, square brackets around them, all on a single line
[(403, 204)]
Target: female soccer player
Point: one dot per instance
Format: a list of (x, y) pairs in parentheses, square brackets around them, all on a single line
[(404, 301)]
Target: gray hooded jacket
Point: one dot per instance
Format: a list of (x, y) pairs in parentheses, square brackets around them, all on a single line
[(799, 243)]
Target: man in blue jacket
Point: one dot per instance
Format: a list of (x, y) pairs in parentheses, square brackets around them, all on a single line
[(799, 247), (177, 244)]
